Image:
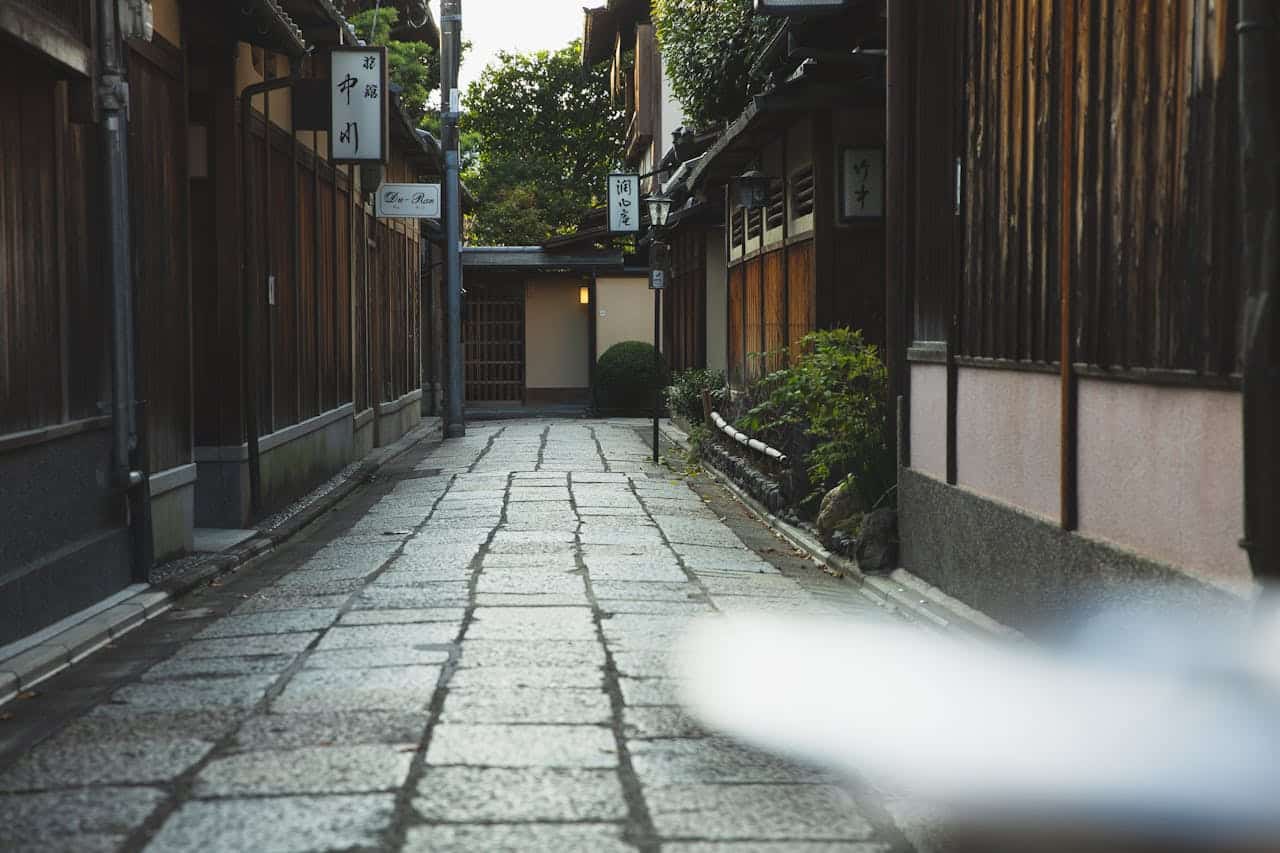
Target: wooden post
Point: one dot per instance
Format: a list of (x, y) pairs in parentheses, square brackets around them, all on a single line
[(1069, 496)]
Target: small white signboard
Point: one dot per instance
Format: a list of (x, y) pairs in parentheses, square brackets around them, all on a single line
[(624, 204), (861, 183), (359, 98), (409, 201), (657, 279)]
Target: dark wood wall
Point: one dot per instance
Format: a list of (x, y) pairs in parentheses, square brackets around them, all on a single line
[(684, 304), (159, 211), (1150, 165), (54, 313)]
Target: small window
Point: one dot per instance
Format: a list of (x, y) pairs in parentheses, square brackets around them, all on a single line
[(776, 212), (802, 192), (736, 232), (754, 219)]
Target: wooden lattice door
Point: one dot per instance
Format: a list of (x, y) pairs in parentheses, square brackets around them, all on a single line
[(493, 337)]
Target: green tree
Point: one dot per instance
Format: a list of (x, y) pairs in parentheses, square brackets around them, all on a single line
[(708, 47), (412, 66), (545, 137)]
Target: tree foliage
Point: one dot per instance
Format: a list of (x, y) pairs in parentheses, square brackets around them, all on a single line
[(545, 136), (708, 47), (412, 66)]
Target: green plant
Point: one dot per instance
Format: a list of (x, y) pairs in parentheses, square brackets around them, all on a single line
[(684, 397), (829, 404), (627, 378), (707, 50)]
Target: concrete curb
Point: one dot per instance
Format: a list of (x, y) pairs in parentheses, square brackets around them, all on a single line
[(24, 671), (900, 592)]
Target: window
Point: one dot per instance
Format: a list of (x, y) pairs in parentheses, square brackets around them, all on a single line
[(776, 211), (802, 192)]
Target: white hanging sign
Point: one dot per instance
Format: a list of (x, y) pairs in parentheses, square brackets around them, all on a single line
[(624, 204), (358, 96), (861, 183), (409, 201)]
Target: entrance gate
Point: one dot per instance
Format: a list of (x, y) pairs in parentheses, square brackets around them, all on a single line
[(493, 342)]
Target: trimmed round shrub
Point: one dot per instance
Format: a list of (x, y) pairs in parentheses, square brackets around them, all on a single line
[(627, 378)]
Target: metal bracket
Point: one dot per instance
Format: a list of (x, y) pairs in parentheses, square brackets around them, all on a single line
[(113, 93)]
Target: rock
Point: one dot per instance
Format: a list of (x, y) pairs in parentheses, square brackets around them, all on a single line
[(877, 550), (841, 503)]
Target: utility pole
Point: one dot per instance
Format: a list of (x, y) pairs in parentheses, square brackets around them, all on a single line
[(450, 46)]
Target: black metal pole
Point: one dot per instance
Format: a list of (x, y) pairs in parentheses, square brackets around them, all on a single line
[(128, 460), (450, 40), (657, 368), (1258, 35)]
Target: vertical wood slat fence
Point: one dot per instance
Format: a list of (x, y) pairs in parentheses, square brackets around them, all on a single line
[(1154, 162)]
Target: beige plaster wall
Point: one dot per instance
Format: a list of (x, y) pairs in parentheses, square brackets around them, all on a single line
[(1007, 436), (557, 334), (624, 311), (1161, 473), (928, 423), (167, 18)]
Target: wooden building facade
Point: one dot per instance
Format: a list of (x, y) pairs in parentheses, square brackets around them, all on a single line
[(813, 256), (1065, 299), (279, 326)]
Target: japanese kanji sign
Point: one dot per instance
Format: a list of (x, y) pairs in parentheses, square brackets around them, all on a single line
[(409, 201), (359, 98), (624, 204), (862, 183)]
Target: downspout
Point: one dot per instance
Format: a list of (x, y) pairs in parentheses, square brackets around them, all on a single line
[(128, 468), (250, 295), (1258, 100)]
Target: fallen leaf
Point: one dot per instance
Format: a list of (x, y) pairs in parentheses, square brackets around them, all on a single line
[(5, 716), (28, 694)]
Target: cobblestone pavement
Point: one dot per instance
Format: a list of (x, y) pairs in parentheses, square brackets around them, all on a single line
[(468, 654)]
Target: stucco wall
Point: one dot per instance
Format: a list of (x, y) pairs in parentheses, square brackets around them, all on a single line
[(557, 334), (1161, 472), (624, 311), (717, 302), (928, 423), (1008, 437)]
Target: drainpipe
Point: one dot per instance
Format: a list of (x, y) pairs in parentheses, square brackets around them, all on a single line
[(128, 469), (1258, 96), (250, 292)]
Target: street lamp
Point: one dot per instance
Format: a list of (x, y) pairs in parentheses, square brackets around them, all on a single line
[(752, 189), (659, 212)]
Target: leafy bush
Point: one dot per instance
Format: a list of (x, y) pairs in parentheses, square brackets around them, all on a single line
[(828, 406), (684, 397), (627, 378)]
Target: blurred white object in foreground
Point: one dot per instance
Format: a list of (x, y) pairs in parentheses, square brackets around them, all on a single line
[(1167, 723)]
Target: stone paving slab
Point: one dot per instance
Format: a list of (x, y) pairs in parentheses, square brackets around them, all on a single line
[(475, 659)]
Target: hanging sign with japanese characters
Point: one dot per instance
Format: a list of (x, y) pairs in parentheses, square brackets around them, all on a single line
[(861, 183), (409, 201), (359, 98), (624, 204)]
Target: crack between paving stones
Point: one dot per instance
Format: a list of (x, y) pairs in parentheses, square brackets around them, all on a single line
[(182, 787), (542, 447), (404, 815), (640, 829)]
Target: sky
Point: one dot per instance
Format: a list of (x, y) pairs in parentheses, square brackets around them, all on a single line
[(515, 25)]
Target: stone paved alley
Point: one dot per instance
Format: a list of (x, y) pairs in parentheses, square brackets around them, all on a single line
[(467, 654)]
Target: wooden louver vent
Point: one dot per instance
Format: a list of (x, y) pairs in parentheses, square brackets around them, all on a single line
[(776, 212), (736, 228), (753, 224), (802, 192)]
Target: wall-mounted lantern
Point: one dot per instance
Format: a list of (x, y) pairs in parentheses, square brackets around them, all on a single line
[(659, 210), (752, 189), (584, 295), (137, 19), (800, 7)]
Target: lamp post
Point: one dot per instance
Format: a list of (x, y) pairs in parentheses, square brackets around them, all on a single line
[(659, 210)]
